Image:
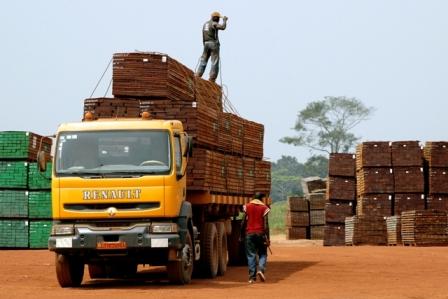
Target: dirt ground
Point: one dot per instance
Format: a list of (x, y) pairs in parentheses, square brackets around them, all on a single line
[(295, 270)]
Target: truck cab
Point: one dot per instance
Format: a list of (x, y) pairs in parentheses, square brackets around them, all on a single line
[(119, 199)]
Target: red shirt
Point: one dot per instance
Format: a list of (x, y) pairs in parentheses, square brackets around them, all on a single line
[(255, 217)]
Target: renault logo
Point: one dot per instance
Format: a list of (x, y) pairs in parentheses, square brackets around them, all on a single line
[(111, 211)]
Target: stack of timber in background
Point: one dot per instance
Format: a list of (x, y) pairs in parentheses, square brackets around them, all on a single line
[(424, 228), (228, 150), (25, 196), (314, 191), (305, 216), (340, 197), (365, 230), (409, 182), (297, 218), (375, 187), (375, 180), (393, 226), (436, 160)]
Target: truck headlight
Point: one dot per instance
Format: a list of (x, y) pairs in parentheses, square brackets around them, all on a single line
[(62, 229), (163, 228)]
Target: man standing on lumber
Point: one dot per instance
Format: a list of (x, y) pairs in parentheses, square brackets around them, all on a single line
[(211, 45), (257, 236)]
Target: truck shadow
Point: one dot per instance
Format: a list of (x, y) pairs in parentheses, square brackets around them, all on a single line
[(234, 277)]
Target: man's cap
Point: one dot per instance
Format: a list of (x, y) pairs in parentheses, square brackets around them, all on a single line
[(216, 14)]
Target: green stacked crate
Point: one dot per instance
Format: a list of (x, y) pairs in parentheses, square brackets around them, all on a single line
[(13, 174), (39, 180), (22, 145), (14, 233), (39, 233), (14, 145), (39, 204), (13, 204)]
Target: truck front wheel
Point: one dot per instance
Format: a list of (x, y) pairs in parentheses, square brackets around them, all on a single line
[(69, 270), (179, 272)]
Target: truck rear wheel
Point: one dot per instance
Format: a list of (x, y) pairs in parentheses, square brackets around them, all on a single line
[(222, 248), (69, 271), (209, 253), (179, 272)]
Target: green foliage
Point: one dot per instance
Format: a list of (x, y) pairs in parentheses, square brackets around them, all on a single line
[(277, 217), (287, 172), (325, 125)]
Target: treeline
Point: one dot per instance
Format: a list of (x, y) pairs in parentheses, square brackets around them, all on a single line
[(287, 173)]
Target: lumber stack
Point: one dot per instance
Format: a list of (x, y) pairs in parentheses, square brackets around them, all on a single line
[(437, 202), (229, 148), (365, 230), (424, 228), (374, 177), (409, 182), (408, 202), (436, 159), (317, 214), (393, 226), (340, 197), (151, 75), (25, 195), (374, 205), (314, 194), (297, 218), (313, 184)]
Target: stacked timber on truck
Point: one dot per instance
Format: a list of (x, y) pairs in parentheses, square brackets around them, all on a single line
[(340, 197), (436, 159), (25, 196), (227, 160)]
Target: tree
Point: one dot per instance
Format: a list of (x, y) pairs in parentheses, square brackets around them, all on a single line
[(325, 125), (316, 166)]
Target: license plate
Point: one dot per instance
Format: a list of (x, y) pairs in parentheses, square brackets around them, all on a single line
[(111, 245)]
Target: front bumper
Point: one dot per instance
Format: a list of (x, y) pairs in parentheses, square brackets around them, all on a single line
[(96, 242)]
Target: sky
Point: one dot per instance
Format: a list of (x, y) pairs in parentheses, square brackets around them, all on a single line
[(276, 57)]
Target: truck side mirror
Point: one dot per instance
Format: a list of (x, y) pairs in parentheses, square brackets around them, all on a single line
[(41, 161), (189, 147)]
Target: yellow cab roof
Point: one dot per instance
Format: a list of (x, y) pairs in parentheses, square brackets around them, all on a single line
[(121, 124)]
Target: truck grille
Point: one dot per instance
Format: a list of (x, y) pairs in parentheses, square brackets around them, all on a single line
[(118, 206)]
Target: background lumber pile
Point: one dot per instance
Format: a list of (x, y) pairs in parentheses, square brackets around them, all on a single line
[(25, 195)]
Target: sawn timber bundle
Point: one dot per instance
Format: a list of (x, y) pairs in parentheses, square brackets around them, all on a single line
[(228, 149)]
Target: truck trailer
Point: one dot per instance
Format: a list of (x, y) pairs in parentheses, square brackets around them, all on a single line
[(155, 176)]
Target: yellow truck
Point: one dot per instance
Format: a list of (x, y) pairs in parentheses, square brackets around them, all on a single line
[(129, 188), (119, 199)]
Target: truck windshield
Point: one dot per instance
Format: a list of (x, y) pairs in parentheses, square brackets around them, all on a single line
[(113, 153)]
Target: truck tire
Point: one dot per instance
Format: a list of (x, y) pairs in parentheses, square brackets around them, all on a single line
[(237, 249), (222, 248), (179, 272), (69, 271), (97, 271), (209, 253)]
